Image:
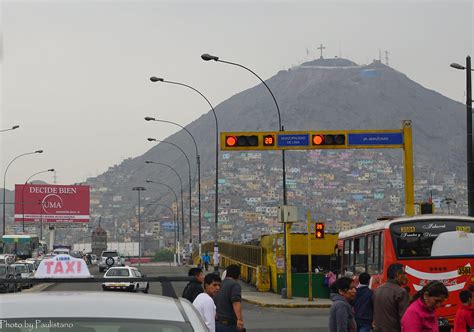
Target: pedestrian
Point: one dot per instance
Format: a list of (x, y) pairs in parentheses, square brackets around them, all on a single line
[(464, 320), (206, 260), (204, 302), (391, 300), (420, 315), (194, 287), (229, 310), (341, 316), (364, 304)]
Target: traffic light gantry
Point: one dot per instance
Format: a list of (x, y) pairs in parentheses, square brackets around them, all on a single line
[(283, 140)]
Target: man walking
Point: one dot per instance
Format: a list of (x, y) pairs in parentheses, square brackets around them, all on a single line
[(364, 304), (206, 259), (229, 310), (204, 302), (194, 287), (391, 300)]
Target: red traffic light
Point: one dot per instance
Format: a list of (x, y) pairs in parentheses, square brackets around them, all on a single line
[(333, 139), (230, 141), (318, 139)]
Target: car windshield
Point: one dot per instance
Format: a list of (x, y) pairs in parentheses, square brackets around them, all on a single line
[(22, 268), (110, 254), (118, 273), (52, 324), (433, 238)]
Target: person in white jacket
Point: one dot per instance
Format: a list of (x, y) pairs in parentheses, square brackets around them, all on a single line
[(204, 302)]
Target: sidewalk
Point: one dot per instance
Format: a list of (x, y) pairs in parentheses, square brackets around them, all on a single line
[(270, 299)]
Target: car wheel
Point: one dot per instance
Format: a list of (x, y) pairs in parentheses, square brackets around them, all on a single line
[(147, 288)]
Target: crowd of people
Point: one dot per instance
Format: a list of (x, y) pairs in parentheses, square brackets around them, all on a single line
[(389, 308), (217, 299)]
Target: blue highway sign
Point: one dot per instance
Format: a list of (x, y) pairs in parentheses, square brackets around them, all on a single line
[(293, 139), (375, 138)]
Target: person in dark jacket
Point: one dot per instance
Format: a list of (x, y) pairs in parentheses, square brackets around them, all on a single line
[(391, 300), (364, 304), (341, 317), (194, 287)]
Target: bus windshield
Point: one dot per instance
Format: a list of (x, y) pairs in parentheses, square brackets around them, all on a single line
[(433, 238)]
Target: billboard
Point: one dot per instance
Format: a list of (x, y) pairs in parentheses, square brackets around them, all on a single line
[(51, 203)]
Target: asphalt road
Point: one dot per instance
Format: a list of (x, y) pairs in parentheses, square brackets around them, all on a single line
[(256, 318)]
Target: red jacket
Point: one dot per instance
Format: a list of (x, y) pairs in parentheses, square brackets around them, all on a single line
[(419, 318), (464, 317)]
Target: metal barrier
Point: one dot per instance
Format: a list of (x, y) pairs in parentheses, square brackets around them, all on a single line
[(241, 253)]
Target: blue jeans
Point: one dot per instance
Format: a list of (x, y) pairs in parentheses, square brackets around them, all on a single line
[(364, 328), (225, 328)]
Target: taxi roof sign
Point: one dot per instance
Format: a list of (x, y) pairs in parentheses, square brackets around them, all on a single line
[(62, 266)]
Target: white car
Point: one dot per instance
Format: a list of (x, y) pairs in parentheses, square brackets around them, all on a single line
[(26, 272), (110, 258), (125, 272), (92, 311)]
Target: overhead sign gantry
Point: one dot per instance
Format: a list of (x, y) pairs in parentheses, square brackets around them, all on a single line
[(331, 139)]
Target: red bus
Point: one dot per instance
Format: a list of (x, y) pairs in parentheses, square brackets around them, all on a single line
[(431, 247)]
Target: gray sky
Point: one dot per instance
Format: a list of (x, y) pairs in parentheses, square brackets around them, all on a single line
[(75, 73)]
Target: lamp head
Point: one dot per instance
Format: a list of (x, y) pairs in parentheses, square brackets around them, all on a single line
[(156, 79), (51, 170), (457, 66), (148, 162), (151, 139), (15, 127), (39, 151), (149, 118), (208, 57), (149, 181)]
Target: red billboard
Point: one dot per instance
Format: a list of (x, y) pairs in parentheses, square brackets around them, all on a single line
[(51, 203)]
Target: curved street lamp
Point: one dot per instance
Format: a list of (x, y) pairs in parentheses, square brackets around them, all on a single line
[(139, 189), (470, 162), (176, 200), (216, 204), (198, 162), (181, 184), (209, 57), (190, 198), (5, 180), (23, 198), (8, 129), (175, 222)]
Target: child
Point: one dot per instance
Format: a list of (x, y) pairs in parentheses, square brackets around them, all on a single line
[(464, 320)]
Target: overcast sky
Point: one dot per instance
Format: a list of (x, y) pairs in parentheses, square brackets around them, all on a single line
[(75, 73)]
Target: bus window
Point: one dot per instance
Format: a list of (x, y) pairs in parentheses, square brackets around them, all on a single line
[(373, 263), (359, 255), (347, 255), (433, 238)]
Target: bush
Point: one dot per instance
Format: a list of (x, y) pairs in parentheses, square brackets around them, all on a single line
[(164, 255)]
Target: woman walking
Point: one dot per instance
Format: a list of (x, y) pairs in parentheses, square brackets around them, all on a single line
[(420, 315)]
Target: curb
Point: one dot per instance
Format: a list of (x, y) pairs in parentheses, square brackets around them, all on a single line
[(289, 305), (38, 288)]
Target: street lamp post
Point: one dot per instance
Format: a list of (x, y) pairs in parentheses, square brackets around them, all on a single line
[(198, 162), (175, 222), (208, 57), (8, 129), (23, 196), (181, 185), (189, 180), (139, 189), (176, 200), (470, 162), (216, 204), (5, 180)]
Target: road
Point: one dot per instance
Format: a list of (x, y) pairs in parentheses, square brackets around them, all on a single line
[(261, 319)]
